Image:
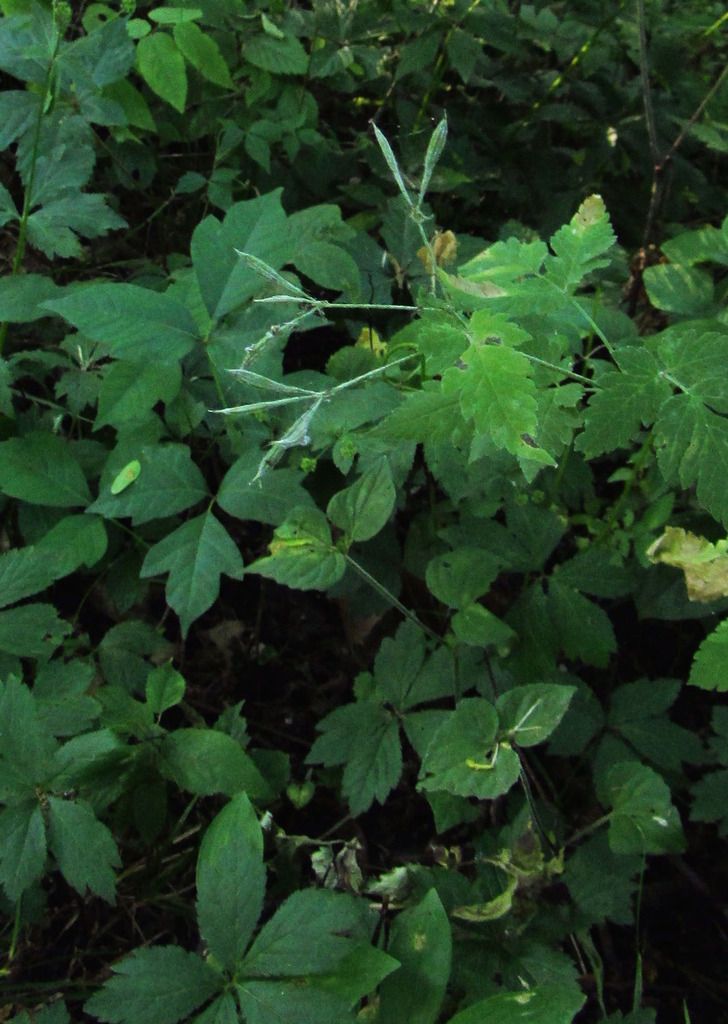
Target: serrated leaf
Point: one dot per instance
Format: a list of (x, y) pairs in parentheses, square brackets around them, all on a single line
[(302, 554), (129, 391), (164, 689), (196, 554), (230, 881), (298, 1001), (269, 499), (168, 482), (40, 468), (22, 848), (133, 323), (458, 577), (583, 628), (709, 669), (32, 631), (626, 402), (398, 664), (497, 393), (203, 53), (21, 296), (546, 1004), (427, 415), (692, 449), (529, 714), (206, 761), (310, 934), (362, 510), (643, 819), (463, 756), (365, 738), (477, 626), (601, 882), (581, 244), (24, 572), (61, 697), (638, 713), (695, 360), (281, 56), (54, 227), (84, 848), (709, 799), (159, 985), (420, 938), (162, 67), (25, 743)]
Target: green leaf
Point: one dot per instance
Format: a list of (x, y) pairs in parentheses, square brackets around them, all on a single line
[(302, 554), (32, 631), (362, 510), (547, 1004), (458, 577), (679, 289), (692, 449), (24, 572), (626, 401), (421, 940), (203, 53), (258, 226), (61, 696), (365, 738), (643, 819), (298, 1001), (25, 743), (168, 482), (133, 323), (269, 499), (311, 933), (165, 688), (638, 712), (477, 626), (709, 669), (162, 67), (205, 762), (581, 244), (497, 393), (196, 554), (281, 56), (223, 1010), (159, 985), (329, 265), (602, 883), (709, 799), (22, 848), (21, 297), (465, 759), (230, 881), (129, 391), (529, 714), (40, 468), (53, 228), (695, 360), (584, 630), (84, 848), (398, 664), (74, 541)]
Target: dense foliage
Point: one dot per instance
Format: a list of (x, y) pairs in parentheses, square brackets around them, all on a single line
[(363, 460)]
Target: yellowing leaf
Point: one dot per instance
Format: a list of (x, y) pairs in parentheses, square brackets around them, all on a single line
[(705, 565), (370, 339), (444, 248)]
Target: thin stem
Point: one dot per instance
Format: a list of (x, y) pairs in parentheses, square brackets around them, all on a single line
[(389, 596), (646, 88)]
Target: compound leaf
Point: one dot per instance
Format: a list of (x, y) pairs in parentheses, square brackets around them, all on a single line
[(196, 554), (202, 52), (365, 738)]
